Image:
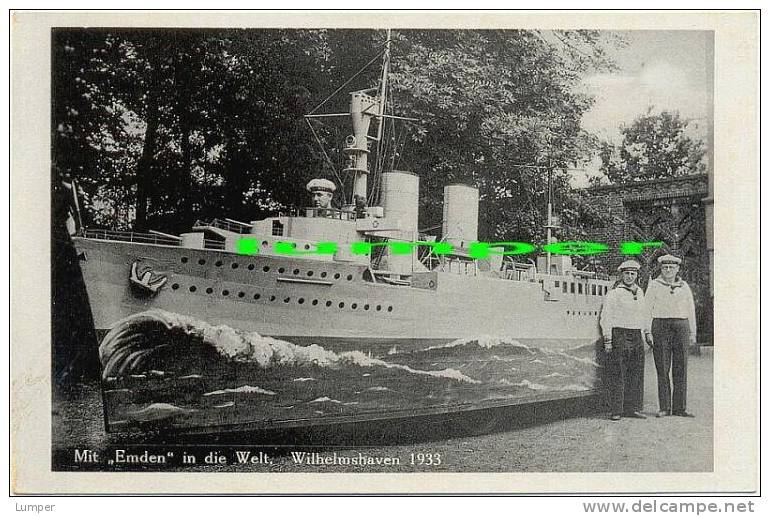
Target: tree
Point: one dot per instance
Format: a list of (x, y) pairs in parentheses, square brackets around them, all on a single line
[(654, 146), (165, 126), (497, 109)]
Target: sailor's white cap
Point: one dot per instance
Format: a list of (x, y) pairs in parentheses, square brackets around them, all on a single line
[(629, 265), (669, 258), (321, 185)]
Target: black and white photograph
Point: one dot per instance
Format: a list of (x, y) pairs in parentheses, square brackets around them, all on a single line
[(383, 249)]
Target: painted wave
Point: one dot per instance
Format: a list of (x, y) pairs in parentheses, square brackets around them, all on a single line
[(164, 367), (134, 341)]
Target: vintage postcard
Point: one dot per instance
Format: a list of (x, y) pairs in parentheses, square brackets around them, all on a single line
[(361, 252)]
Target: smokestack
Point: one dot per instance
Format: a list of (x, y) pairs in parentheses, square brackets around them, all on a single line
[(399, 197), (460, 224)]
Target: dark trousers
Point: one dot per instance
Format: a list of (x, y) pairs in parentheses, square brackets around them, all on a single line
[(671, 336), (625, 371)]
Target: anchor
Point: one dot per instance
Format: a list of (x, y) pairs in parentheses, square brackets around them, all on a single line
[(147, 282)]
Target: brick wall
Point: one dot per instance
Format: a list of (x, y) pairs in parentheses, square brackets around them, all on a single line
[(670, 211)]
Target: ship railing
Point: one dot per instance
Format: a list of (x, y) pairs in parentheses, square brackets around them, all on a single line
[(209, 243), (517, 271), (130, 236), (321, 213), (226, 224)]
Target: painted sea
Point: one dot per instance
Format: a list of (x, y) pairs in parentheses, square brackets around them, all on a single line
[(165, 371)]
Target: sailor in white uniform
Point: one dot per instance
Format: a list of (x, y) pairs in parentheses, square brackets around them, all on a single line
[(625, 326), (322, 191), (672, 310)]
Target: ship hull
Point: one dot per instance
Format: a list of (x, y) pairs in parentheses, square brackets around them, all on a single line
[(338, 306), (454, 343)]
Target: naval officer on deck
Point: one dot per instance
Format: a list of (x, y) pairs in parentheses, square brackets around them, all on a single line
[(322, 191), (625, 323), (672, 309)]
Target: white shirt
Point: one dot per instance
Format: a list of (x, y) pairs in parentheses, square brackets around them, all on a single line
[(624, 308), (671, 301)]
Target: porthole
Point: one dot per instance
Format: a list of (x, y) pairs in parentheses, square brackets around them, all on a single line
[(193, 288), (272, 298), (257, 296), (309, 273), (390, 309), (354, 306), (250, 267), (201, 262), (264, 243), (234, 265), (323, 274), (295, 271), (342, 305), (209, 290), (307, 247), (315, 302), (184, 259), (350, 277), (337, 276), (379, 307), (218, 263), (567, 312), (366, 307), (286, 299), (175, 286), (266, 268), (281, 270), (328, 303), (241, 294), (301, 300), (225, 292)]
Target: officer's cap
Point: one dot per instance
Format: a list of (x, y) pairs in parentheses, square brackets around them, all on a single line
[(321, 185), (629, 265), (668, 258)]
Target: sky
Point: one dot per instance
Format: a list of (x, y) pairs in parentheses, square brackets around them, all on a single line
[(663, 69)]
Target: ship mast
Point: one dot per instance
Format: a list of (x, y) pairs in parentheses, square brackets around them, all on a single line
[(364, 107), (383, 88)]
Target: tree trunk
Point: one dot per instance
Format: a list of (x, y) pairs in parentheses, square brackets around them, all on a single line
[(144, 167), (234, 187), (183, 82)]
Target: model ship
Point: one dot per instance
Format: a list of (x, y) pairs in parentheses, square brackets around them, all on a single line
[(200, 335)]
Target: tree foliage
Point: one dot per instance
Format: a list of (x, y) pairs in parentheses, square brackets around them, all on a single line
[(497, 109), (165, 127), (654, 146)]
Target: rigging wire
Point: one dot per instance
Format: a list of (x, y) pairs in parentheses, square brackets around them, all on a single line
[(359, 72), (399, 147), (328, 159), (382, 150), (398, 150)]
